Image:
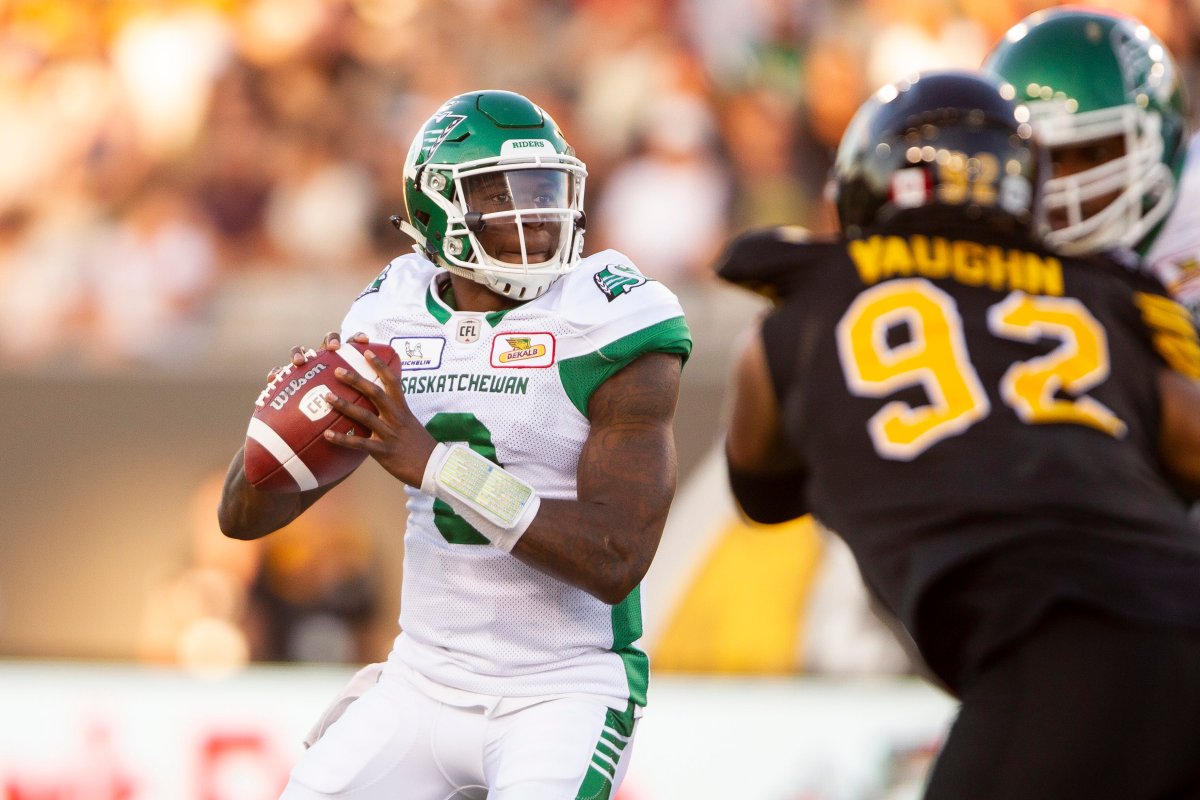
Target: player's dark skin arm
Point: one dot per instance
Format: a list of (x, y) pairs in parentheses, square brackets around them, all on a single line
[(247, 513), (603, 541), (754, 439), (771, 485), (1179, 434)]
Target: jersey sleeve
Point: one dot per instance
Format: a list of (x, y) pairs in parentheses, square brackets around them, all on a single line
[(768, 261), (622, 316), (362, 316), (402, 282), (1171, 330)]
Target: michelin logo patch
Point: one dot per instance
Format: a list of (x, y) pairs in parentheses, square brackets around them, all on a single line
[(419, 352), (523, 350), (618, 279)]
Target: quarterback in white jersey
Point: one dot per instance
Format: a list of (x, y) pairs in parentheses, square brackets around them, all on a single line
[(530, 423), (516, 385)]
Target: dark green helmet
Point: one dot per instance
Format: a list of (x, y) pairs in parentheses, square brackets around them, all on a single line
[(1092, 77), (494, 193), (947, 146)]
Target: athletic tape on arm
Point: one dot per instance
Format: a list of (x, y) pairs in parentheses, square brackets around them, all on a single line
[(494, 501)]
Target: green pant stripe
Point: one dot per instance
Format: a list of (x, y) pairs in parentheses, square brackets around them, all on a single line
[(596, 786), (608, 751), (615, 739), (614, 736), (609, 766)]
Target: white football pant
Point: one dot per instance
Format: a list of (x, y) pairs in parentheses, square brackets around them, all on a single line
[(396, 743)]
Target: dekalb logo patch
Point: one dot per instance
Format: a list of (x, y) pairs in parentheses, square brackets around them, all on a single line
[(523, 350), (419, 352), (618, 279)]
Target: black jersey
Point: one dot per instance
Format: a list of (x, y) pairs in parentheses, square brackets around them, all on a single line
[(979, 421)]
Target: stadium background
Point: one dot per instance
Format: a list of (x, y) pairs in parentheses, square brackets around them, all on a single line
[(187, 189)]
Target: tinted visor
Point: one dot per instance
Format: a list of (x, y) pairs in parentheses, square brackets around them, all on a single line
[(518, 190)]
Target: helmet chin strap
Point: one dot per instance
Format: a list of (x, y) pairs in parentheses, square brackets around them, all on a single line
[(402, 225)]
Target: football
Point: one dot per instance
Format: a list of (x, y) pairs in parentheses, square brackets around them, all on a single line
[(286, 450)]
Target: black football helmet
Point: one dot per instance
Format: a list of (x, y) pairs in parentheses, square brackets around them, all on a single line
[(946, 145)]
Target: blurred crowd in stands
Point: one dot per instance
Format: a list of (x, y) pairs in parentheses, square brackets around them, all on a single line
[(181, 178)]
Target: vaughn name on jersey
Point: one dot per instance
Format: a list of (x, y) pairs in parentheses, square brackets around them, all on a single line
[(514, 385)]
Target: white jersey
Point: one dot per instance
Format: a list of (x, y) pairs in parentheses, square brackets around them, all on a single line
[(514, 385), (1175, 255)]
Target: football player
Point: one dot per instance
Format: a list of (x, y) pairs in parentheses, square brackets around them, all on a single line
[(1108, 102), (531, 427), (1005, 437)]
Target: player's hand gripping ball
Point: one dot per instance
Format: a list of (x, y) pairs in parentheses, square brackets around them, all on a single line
[(286, 450)]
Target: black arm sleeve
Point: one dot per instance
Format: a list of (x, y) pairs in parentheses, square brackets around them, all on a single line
[(770, 497)]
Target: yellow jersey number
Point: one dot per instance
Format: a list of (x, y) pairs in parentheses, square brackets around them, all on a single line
[(935, 358)]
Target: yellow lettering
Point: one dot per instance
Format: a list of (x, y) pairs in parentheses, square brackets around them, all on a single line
[(1043, 276), (882, 257), (865, 255), (970, 263), (932, 256), (897, 260), (1004, 268)]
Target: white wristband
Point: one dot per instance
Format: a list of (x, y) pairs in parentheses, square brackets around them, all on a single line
[(495, 502)]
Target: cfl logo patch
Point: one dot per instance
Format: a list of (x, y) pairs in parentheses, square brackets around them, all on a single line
[(314, 405), (468, 331)]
